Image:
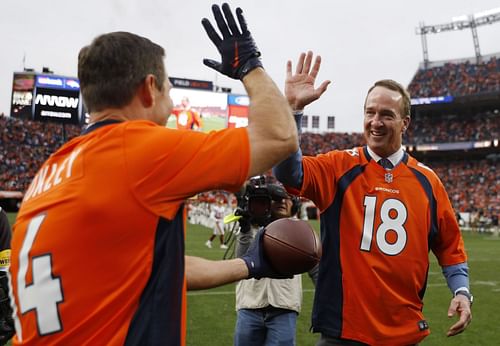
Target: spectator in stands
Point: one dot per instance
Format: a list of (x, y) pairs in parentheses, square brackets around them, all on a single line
[(470, 183), (103, 221), (457, 79), (406, 212), (25, 145), (473, 185), (429, 128)]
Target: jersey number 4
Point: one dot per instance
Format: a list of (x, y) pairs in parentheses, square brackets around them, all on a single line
[(393, 214), (45, 291)]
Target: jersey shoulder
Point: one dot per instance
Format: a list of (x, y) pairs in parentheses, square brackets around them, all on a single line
[(427, 171), (347, 158)]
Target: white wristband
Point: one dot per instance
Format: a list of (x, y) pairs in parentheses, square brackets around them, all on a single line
[(461, 289)]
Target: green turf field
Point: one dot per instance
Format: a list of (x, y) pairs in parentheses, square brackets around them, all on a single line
[(211, 314), (209, 124)]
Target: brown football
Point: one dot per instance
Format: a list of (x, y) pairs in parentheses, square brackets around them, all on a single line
[(291, 246)]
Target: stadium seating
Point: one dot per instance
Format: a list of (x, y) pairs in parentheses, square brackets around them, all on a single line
[(24, 146), (457, 79), (454, 128), (473, 185)]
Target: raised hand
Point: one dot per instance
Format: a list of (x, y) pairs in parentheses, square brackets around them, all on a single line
[(238, 51), (299, 87)]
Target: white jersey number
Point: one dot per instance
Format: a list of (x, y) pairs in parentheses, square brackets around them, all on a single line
[(389, 223), (45, 292)]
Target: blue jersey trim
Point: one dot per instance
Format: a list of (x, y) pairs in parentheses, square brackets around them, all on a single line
[(328, 300), (157, 320)]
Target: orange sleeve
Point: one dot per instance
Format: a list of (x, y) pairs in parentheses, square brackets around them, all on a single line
[(319, 179), (171, 165)]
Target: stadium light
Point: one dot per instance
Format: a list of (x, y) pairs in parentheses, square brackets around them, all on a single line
[(459, 23)]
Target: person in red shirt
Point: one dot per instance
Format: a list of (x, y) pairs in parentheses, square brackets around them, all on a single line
[(98, 244), (382, 211), (187, 118)]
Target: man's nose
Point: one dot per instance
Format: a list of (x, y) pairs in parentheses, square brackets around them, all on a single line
[(377, 120)]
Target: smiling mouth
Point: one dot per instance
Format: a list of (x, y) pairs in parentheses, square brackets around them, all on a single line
[(376, 134)]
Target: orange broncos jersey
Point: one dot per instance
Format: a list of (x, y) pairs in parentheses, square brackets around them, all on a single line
[(98, 245), (187, 119), (377, 228)]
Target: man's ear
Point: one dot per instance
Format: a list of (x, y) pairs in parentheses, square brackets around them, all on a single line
[(406, 123), (147, 91)]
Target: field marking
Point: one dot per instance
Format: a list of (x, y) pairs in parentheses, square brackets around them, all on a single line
[(309, 290), (221, 293), (485, 283)]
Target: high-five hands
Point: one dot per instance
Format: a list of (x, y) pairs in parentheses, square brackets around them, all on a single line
[(238, 51), (299, 87)]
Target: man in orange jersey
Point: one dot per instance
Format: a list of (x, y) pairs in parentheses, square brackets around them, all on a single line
[(379, 220), (98, 245), (187, 118)]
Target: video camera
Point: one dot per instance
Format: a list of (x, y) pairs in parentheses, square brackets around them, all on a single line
[(254, 204)]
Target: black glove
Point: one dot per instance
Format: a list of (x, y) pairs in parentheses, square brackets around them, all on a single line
[(255, 259), (238, 51)]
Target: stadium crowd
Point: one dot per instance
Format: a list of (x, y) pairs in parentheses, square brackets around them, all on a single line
[(441, 129), (474, 186), (457, 79), (24, 146), (313, 143)]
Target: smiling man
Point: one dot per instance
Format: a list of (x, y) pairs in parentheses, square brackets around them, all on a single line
[(98, 244), (382, 211)]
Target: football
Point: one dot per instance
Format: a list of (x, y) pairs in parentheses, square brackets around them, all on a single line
[(291, 246)]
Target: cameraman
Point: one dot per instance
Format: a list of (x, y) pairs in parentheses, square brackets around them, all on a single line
[(267, 309)]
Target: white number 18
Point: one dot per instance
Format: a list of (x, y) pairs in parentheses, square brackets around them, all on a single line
[(388, 223)]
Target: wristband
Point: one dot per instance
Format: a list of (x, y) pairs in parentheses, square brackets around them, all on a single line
[(466, 293)]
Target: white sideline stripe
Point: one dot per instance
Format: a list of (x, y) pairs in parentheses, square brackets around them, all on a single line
[(309, 290), (220, 293)]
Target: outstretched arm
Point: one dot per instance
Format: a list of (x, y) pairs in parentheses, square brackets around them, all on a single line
[(299, 87), (271, 130), (202, 273), (299, 92)]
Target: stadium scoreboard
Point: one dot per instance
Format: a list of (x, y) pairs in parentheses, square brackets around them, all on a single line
[(49, 97), (46, 97)]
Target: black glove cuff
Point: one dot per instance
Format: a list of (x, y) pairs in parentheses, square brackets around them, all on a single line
[(251, 267), (248, 66)]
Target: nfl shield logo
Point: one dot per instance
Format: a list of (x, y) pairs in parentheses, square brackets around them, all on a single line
[(388, 177)]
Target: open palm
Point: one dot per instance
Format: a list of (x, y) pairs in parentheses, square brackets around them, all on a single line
[(299, 87)]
